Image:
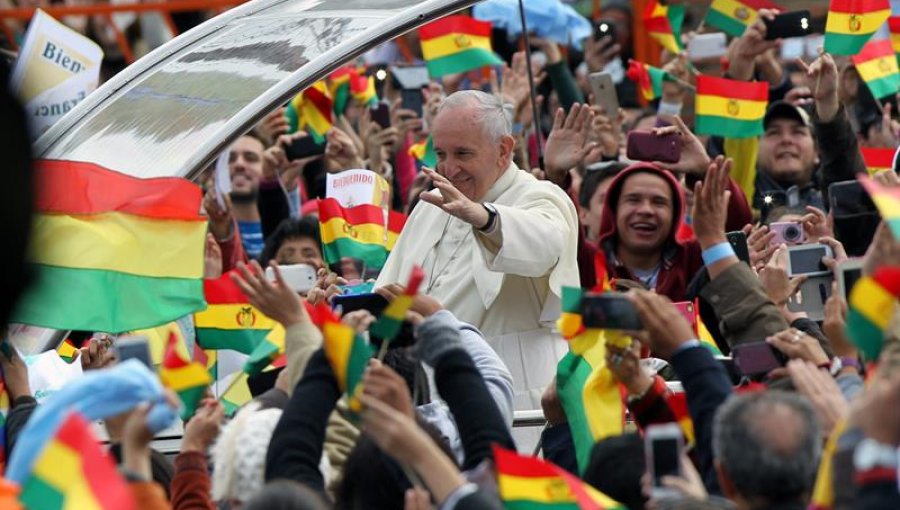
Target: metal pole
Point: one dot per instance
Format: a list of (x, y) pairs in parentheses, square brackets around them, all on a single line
[(534, 107)]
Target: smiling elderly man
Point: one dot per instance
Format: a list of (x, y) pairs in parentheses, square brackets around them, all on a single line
[(496, 244)]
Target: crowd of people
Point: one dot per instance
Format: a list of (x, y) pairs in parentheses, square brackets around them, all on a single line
[(499, 227)]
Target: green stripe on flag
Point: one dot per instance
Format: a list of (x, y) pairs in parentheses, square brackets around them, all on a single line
[(886, 86), (571, 375), (865, 334), (373, 255), (190, 397), (727, 24), (657, 76), (845, 44), (728, 128), (241, 340), (537, 505), (462, 62), (39, 494), (356, 363), (261, 357)]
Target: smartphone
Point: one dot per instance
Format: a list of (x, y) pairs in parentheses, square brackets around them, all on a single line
[(687, 310), (381, 114), (412, 99), (605, 28), (299, 277), (374, 303), (663, 446), (648, 146), (811, 297), (263, 381), (848, 198), (303, 147), (703, 46), (757, 358), (789, 24), (604, 91), (609, 311), (738, 242), (806, 259), (137, 347), (790, 233), (848, 273), (412, 77)]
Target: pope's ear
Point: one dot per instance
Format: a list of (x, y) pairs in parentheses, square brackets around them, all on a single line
[(507, 145)]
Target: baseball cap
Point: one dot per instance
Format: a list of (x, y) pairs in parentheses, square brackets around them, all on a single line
[(785, 110)]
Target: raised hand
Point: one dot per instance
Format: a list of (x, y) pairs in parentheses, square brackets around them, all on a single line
[(274, 299), (453, 202), (742, 54), (694, 159), (569, 141), (710, 210), (822, 76)]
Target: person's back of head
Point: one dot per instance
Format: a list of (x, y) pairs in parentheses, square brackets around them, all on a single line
[(616, 467), (766, 447), (286, 495)]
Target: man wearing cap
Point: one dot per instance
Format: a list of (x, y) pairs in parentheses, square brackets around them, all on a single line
[(787, 160)]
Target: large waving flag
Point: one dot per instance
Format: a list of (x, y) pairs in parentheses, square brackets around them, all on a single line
[(851, 24), (189, 379), (730, 108), (663, 23), (311, 111), (877, 66), (230, 321), (871, 309), (358, 232), (894, 26), (112, 252), (734, 16), (877, 159), (530, 483), (72, 471), (457, 44)]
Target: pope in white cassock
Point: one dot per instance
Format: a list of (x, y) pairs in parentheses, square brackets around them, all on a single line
[(496, 244)]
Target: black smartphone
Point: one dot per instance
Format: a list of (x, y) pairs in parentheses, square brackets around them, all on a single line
[(738, 242), (789, 24), (605, 28), (757, 358), (609, 311), (263, 381), (137, 347), (848, 198), (303, 147), (412, 99), (374, 303), (381, 115)]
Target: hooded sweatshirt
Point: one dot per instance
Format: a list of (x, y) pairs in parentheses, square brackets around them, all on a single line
[(680, 260)]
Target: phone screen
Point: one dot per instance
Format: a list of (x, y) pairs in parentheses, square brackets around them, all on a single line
[(609, 311), (756, 358), (374, 303), (808, 261), (665, 458), (851, 276), (303, 147), (412, 100), (136, 347)]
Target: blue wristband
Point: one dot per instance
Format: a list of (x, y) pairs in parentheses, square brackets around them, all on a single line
[(716, 253)]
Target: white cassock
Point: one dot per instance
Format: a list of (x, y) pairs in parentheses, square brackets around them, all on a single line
[(508, 282)]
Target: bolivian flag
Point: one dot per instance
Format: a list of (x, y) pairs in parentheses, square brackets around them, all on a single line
[(186, 378), (663, 23), (852, 22), (530, 483), (348, 354), (230, 321), (649, 79), (894, 26), (266, 352), (67, 351), (358, 232), (349, 82), (112, 252), (730, 108), (424, 152), (877, 66), (73, 471), (388, 325), (872, 303), (877, 159), (457, 44), (734, 16), (887, 201), (311, 111)]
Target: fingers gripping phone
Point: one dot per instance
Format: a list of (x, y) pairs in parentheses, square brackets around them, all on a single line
[(663, 446), (604, 91), (605, 28), (806, 260), (789, 24), (303, 147), (757, 358), (381, 115), (649, 146), (301, 278), (738, 242), (703, 46)]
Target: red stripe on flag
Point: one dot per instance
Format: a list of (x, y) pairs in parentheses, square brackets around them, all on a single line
[(877, 158), (319, 100), (74, 187), (396, 221), (751, 91), (223, 291), (330, 208), (859, 6), (874, 50), (658, 25), (889, 278), (511, 464), (463, 25), (171, 358), (894, 24), (761, 4)]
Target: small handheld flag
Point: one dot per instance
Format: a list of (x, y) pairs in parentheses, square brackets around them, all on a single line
[(851, 24), (730, 108), (388, 325), (230, 321), (457, 44), (877, 159), (186, 378), (877, 66), (734, 16), (663, 23), (871, 309), (311, 111), (649, 79)]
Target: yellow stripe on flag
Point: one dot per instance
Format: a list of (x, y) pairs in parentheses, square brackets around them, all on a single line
[(878, 68), (189, 376), (855, 24), (887, 206), (55, 467), (398, 307), (232, 317), (731, 8), (740, 109), (158, 338), (546, 489), (340, 340), (120, 242), (878, 305), (451, 44), (368, 233), (895, 42), (667, 41)]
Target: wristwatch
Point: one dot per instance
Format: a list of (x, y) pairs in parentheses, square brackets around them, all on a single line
[(492, 216), (871, 454)]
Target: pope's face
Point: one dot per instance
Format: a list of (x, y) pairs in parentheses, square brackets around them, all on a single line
[(469, 158)]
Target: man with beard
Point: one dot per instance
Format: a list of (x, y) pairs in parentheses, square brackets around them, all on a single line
[(245, 165)]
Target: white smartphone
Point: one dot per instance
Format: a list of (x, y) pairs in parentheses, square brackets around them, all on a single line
[(663, 446), (703, 46), (299, 277), (847, 274), (604, 91), (811, 297), (806, 259), (137, 347)]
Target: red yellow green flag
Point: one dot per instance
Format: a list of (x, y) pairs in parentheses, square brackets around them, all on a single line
[(877, 66), (424, 152), (349, 82), (230, 321), (877, 159), (649, 79), (872, 303), (186, 378), (730, 108), (73, 471), (894, 26), (887, 200), (457, 44), (347, 353), (311, 111), (388, 325), (237, 393), (358, 232), (663, 23), (530, 483), (852, 22), (112, 252), (266, 352), (734, 16), (67, 351)]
